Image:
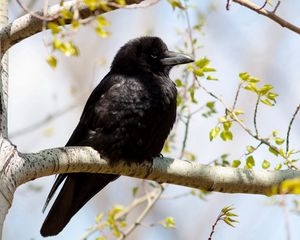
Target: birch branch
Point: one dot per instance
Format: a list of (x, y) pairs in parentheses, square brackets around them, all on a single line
[(191, 174), (28, 25), (3, 73)]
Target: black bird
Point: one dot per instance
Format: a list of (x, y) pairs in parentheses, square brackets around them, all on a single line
[(128, 116)]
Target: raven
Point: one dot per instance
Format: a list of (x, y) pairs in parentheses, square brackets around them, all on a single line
[(128, 116)]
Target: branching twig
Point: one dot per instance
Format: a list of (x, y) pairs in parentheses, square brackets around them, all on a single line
[(36, 15), (142, 215), (289, 128), (269, 14)]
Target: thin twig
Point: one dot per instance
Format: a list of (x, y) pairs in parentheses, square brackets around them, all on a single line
[(269, 14), (283, 205), (237, 95), (276, 7), (36, 15), (142, 215), (289, 128), (228, 4), (214, 225), (134, 204), (40, 123), (255, 115), (186, 132), (263, 6), (257, 137)]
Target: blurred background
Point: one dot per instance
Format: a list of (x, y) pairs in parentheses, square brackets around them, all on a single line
[(45, 106)]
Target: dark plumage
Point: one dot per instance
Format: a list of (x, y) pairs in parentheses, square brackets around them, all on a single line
[(128, 116)]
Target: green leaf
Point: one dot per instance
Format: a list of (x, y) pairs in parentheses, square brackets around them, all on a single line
[(52, 61), (54, 27), (169, 222), (213, 133), (250, 162), (201, 63), (265, 164), (102, 22), (222, 119), (267, 102), (244, 76), (210, 78), (75, 24), (208, 69), (266, 88), (253, 80), (99, 217), (101, 32), (250, 149), (176, 4), (226, 135), (229, 221), (274, 133), (134, 191), (192, 94), (198, 72), (227, 125), (272, 96), (274, 151), (279, 141), (178, 83), (278, 166), (66, 14), (101, 238), (236, 163)]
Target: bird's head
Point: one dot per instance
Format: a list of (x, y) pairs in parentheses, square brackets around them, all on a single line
[(148, 54)]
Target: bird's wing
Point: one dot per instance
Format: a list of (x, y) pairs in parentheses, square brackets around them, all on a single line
[(79, 134)]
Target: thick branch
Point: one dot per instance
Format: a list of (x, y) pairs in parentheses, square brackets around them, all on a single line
[(3, 73), (269, 14), (28, 25), (191, 174)]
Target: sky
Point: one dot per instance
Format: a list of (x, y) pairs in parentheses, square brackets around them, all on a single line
[(235, 41)]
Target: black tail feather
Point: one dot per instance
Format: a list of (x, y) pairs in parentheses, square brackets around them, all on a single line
[(76, 191)]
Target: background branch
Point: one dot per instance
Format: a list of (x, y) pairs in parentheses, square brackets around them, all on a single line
[(28, 25), (269, 14)]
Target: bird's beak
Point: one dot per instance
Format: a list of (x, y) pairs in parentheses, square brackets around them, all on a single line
[(174, 58)]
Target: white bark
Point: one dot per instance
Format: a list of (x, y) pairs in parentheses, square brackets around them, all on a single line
[(3, 72), (28, 25)]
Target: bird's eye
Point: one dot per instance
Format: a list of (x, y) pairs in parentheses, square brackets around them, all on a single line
[(154, 56)]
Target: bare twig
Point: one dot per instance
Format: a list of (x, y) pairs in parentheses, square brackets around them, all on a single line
[(40, 123), (289, 128), (269, 14), (237, 95), (283, 205), (134, 204), (255, 115), (228, 4), (142, 215), (263, 6), (36, 15), (186, 131)]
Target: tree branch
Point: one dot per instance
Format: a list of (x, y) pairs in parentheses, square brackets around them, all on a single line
[(3, 73), (191, 174), (28, 25), (269, 14)]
